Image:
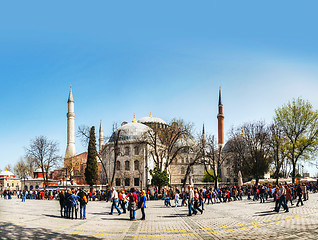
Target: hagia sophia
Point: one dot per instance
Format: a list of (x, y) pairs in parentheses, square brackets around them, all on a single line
[(134, 162), (135, 159)]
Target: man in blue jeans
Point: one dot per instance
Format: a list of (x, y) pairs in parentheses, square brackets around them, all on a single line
[(191, 201), (83, 203), (114, 199)]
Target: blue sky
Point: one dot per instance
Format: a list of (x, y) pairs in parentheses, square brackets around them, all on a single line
[(140, 56)]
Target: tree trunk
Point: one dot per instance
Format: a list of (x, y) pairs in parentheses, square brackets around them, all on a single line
[(185, 177), (294, 173), (216, 175), (276, 176), (257, 180)]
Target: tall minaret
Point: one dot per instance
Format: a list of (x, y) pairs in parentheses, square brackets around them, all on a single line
[(203, 138), (220, 117), (101, 136), (70, 149)]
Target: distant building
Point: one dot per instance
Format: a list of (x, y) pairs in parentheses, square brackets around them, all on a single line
[(8, 181), (37, 181)]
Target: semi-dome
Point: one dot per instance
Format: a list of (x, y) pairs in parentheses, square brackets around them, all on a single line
[(131, 131), (151, 119), (6, 173)]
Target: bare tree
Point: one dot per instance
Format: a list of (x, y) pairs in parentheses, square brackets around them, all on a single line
[(213, 158), (8, 167), (45, 154), (278, 149), (21, 169), (195, 149), (165, 142), (252, 148)]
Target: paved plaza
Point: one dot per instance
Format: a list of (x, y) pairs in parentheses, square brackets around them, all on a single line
[(40, 219)]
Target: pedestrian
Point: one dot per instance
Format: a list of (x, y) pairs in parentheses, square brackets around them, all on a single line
[(176, 199), (123, 201), (191, 201), (197, 201), (201, 202), (132, 207), (114, 199), (143, 204), (289, 195), (277, 194), (299, 194), (282, 199), (62, 203), (83, 202), (73, 204)]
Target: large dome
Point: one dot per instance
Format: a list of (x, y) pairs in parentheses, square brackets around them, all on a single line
[(151, 119), (131, 131)]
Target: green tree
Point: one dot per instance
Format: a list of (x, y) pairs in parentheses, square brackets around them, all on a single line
[(159, 178), (209, 176), (91, 170), (299, 123)]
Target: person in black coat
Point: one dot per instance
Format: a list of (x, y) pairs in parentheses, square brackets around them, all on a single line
[(62, 203)]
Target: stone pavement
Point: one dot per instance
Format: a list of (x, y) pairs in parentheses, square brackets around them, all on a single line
[(40, 219)]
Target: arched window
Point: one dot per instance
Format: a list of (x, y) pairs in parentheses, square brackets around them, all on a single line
[(118, 165), (31, 187), (37, 186), (136, 149), (136, 165), (182, 170), (127, 166)]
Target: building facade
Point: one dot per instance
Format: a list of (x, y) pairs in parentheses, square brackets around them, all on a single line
[(8, 181)]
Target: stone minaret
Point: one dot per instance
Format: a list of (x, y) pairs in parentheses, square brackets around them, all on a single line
[(203, 139), (220, 117), (70, 149), (101, 136)]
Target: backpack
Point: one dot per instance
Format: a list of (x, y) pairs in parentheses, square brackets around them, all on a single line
[(84, 199)]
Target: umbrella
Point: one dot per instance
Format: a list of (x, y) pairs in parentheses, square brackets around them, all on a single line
[(240, 180)]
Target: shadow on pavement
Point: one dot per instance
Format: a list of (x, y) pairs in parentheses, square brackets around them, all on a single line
[(53, 216), (116, 219), (101, 213), (265, 213), (174, 215), (12, 231)]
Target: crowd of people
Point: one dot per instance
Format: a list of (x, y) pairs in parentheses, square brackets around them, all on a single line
[(72, 200)]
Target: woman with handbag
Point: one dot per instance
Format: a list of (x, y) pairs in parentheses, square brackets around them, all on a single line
[(132, 198)]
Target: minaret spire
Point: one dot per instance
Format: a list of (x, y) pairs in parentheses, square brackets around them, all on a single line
[(101, 136), (70, 97), (203, 137), (70, 149), (220, 97), (203, 132), (220, 118)]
